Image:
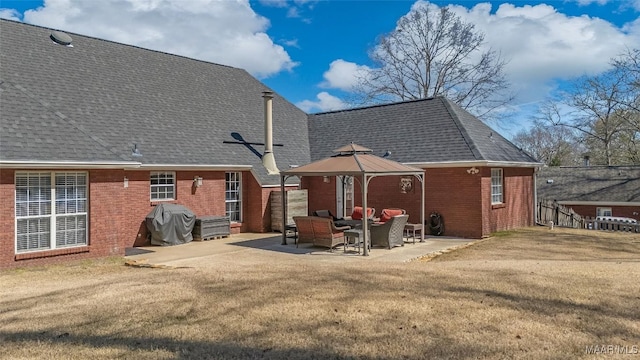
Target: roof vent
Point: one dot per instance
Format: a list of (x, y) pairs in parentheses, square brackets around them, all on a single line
[(61, 38)]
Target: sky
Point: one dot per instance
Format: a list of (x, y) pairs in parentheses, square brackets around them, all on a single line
[(309, 51)]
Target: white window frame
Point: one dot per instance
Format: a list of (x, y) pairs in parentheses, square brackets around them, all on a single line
[(56, 205), (497, 186), (160, 188), (603, 211), (233, 195)]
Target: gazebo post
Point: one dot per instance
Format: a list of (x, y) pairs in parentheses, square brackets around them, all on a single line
[(422, 179), (284, 210), (365, 216)]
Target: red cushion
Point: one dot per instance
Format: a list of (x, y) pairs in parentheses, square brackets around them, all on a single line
[(357, 212), (387, 214)]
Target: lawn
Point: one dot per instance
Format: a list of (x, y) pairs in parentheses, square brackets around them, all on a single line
[(534, 293)]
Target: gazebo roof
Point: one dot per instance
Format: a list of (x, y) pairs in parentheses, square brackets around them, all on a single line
[(353, 160)]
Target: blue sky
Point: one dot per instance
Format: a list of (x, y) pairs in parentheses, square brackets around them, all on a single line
[(308, 50)]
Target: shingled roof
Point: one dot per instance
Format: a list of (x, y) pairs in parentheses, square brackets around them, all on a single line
[(610, 184), (93, 102), (419, 132)]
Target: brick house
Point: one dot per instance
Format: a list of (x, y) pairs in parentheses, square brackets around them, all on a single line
[(93, 134), (593, 190)]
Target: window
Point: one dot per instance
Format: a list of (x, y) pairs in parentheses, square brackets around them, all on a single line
[(163, 186), (496, 186), (51, 210), (603, 211), (233, 196)]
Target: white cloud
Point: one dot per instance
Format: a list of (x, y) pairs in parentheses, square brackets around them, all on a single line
[(542, 44), (326, 102), (343, 75), (9, 14), (589, 2), (225, 32), (274, 3)]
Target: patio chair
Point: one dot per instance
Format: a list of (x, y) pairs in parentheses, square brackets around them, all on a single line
[(356, 216), (388, 213), (325, 214), (390, 233)]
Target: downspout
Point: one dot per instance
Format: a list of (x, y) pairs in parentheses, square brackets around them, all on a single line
[(268, 160)]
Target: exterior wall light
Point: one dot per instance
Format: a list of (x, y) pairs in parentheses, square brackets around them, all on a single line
[(197, 181), (473, 171)]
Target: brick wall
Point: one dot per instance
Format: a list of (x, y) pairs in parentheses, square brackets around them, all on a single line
[(517, 208), (106, 222), (323, 195), (117, 214), (7, 219), (463, 199), (456, 195)]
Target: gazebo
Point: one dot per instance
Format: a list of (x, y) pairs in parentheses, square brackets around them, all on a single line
[(360, 163)]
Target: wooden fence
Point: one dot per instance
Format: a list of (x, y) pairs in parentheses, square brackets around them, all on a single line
[(610, 225), (562, 216)]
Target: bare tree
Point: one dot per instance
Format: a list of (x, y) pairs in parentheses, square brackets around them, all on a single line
[(595, 111), (552, 145), (628, 65), (433, 52)]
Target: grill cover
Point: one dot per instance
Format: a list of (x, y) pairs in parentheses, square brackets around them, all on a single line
[(170, 224)]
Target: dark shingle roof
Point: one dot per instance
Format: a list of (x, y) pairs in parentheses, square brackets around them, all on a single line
[(420, 131), (594, 183), (93, 101)]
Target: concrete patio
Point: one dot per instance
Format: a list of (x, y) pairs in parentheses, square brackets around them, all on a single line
[(257, 248)]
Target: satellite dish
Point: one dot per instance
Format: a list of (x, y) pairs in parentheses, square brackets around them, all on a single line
[(61, 38)]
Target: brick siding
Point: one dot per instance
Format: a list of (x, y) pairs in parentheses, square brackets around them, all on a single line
[(117, 214)]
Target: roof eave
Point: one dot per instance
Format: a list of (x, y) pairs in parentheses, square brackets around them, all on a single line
[(599, 203), (480, 163), (185, 167), (36, 164)]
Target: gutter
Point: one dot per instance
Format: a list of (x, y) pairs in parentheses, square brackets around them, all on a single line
[(482, 163), (19, 164), (126, 165)]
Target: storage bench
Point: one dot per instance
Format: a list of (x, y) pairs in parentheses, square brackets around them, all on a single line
[(209, 227)]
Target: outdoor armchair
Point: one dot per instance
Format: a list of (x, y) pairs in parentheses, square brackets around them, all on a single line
[(390, 233)]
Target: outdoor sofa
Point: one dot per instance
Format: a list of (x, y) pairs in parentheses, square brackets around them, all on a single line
[(319, 231)]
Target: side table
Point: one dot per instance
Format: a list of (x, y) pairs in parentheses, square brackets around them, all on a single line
[(413, 229), (294, 229), (354, 235)]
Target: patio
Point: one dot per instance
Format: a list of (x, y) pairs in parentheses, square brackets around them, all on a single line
[(256, 248)]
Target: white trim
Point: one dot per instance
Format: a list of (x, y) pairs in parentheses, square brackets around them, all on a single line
[(239, 181), (278, 186), (126, 165), (599, 203), (10, 164), (174, 184), (482, 163), (53, 216), (499, 174), (185, 167)]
